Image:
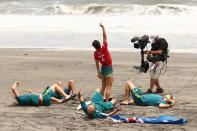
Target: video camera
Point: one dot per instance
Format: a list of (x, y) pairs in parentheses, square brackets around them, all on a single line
[(141, 42)]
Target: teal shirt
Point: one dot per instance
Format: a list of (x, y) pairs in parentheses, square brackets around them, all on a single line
[(97, 113), (152, 100), (100, 106), (28, 100)]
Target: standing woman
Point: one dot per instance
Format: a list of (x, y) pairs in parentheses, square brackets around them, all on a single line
[(103, 56)]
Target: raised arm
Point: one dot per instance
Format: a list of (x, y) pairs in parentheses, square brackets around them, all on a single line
[(83, 104), (80, 96), (104, 32), (16, 94)]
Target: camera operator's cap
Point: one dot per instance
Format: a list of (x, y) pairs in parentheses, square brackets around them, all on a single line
[(153, 36)]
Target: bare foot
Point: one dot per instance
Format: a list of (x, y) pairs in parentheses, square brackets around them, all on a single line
[(125, 102)]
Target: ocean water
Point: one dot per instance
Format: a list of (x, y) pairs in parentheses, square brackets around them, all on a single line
[(74, 24)]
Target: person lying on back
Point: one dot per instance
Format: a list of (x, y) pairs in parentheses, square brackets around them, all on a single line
[(43, 99), (98, 108), (146, 99)]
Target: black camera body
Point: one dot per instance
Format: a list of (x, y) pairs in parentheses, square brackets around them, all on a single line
[(141, 42)]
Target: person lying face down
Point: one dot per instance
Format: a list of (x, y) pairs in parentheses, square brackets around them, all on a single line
[(43, 99), (97, 108), (146, 99)]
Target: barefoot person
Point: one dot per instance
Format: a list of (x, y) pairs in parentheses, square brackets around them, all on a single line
[(146, 99), (98, 108), (102, 55), (43, 99), (69, 89)]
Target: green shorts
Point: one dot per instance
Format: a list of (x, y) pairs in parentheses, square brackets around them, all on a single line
[(136, 94), (58, 96), (46, 96), (106, 71), (28, 100)]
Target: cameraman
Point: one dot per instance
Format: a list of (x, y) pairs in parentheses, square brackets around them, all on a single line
[(157, 55)]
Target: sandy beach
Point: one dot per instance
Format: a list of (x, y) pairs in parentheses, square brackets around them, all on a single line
[(36, 69)]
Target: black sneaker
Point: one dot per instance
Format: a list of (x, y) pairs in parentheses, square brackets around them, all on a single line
[(148, 92), (159, 90)]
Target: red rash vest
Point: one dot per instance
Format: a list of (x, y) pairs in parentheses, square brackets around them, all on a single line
[(103, 55)]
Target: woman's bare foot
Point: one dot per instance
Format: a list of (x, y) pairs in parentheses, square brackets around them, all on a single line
[(125, 102)]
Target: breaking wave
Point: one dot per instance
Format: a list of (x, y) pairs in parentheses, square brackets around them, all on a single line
[(116, 9)]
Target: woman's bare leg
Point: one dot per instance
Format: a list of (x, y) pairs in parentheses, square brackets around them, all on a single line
[(60, 84), (109, 82), (57, 88), (128, 87), (70, 86), (103, 86)]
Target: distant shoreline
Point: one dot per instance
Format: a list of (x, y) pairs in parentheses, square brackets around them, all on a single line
[(181, 51)]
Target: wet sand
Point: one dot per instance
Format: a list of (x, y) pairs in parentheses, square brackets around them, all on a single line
[(35, 69)]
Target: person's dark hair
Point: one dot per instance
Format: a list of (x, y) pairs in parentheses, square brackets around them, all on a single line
[(96, 44)]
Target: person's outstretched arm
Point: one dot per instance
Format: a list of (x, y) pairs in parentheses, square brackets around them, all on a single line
[(80, 96), (167, 105), (98, 70), (104, 32), (56, 100), (114, 112), (83, 104), (16, 94)]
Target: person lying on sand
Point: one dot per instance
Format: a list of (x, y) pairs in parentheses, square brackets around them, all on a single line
[(98, 108), (43, 99), (70, 88), (146, 99)]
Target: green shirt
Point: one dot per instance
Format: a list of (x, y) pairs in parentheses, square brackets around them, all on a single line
[(98, 113), (152, 100), (100, 106)]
